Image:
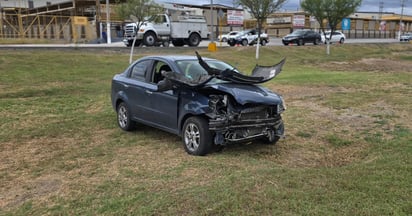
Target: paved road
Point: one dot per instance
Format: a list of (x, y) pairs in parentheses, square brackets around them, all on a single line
[(273, 42)]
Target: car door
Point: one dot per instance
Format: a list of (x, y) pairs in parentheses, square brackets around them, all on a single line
[(135, 90), (161, 24), (309, 36), (162, 107)]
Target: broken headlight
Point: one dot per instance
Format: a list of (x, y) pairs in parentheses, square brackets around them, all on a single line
[(282, 105)]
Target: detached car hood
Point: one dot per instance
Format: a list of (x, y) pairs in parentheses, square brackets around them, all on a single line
[(260, 74), (244, 93)]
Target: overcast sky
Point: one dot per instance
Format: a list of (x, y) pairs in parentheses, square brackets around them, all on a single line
[(292, 5), (368, 6)]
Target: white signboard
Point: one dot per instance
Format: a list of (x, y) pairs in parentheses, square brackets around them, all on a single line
[(299, 21), (277, 20), (234, 17)]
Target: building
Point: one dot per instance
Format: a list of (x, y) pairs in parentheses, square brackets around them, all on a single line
[(85, 20)]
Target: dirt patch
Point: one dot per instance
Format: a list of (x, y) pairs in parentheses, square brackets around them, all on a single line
[(371, 65)]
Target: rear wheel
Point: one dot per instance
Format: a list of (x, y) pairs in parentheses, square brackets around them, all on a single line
[(197, 139), (124, 119), (194, 40), (341, 41)]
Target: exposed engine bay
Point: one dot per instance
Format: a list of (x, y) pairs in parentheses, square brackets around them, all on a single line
[(232, 122)]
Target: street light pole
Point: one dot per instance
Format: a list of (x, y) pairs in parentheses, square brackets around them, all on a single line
[(109, 37), (212, 45), (1, 21), (400, 20)]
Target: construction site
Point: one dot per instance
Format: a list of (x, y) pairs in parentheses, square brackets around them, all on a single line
[(81, 21), (64, 20)]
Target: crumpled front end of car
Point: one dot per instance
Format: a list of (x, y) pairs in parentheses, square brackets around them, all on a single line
[(232, 122)]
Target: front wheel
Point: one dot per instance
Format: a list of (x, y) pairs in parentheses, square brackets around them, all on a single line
[(197, 139), (149, 39), (263, 42), (244, 42)]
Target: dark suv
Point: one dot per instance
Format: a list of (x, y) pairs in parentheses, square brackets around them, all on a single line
[(300, 37)]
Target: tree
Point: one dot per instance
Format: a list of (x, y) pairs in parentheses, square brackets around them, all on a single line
[(138, 11), (331, 11), (260, 10)]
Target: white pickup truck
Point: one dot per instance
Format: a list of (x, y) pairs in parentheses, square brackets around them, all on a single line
[(161, 29)]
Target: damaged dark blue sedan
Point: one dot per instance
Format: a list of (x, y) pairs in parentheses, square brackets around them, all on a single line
[(205, 101)]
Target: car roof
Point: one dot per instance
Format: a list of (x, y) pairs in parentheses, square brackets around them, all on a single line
[(173, 57)]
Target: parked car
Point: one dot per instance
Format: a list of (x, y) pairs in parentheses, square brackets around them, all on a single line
[(248, 37), (406, 37), (337, 37), (207, 102), (300, 37), (225, 37)]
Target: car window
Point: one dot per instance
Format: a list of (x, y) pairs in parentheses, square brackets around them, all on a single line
[(297, 33), (138, 71), (158, 69)]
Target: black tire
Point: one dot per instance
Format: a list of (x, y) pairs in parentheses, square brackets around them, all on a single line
[(342, 40), (285, 43), (274, 135), (224, 40), (137, 43), (263, 42), (231, 43), (197, 139), (178, 43), (149, 39), (194, 40), (165, 43), (124, 119), (244, 42)]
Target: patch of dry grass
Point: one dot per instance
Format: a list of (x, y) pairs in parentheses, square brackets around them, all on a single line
[(347, 149)]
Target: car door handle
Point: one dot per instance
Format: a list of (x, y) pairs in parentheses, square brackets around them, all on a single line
[(149, 92)]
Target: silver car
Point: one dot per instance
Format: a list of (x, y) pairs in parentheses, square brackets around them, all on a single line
[(406, 37), (337, 37)]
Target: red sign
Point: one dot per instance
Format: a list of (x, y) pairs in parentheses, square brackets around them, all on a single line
[(299, 21), (234, 17)]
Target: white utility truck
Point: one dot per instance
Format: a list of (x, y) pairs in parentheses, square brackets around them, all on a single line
[(161, 29)]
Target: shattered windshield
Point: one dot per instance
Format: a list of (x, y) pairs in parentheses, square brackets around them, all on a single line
[(192, 69)]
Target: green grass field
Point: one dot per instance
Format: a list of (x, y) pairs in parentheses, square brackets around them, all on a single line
[(348, 149)]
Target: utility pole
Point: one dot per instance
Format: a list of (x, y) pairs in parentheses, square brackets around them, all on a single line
[(400, 20), (109, 37), (380, 10)]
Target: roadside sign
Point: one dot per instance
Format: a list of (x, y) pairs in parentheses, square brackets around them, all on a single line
[(299, 21), (345, 24), (234, 17)]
